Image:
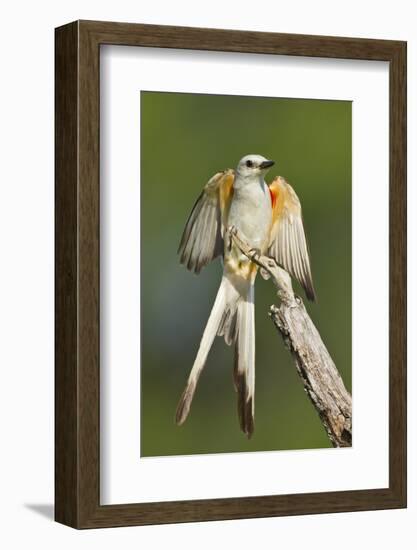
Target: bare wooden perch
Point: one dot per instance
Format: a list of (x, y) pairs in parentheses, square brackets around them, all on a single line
[(317, 371)]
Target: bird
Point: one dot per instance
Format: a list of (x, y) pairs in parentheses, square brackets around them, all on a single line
[(269, 219)]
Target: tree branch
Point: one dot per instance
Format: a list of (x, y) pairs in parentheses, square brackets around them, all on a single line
[(317, 371)]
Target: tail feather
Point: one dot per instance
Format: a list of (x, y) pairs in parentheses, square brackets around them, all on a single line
[(226, 297), (232, 316), (244, 371), (227, 326)]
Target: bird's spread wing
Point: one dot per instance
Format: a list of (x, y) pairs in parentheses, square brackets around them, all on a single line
[(288, 245), (202, 239)]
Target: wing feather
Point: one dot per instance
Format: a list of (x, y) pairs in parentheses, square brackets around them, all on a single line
[(288, 244), (202, 238)]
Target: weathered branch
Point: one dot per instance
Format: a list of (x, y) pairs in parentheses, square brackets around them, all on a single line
[(317, 371)]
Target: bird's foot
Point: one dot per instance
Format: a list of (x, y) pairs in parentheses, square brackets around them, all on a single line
[(254, 254)]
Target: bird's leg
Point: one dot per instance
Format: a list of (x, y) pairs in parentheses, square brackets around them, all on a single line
[(231, 232)]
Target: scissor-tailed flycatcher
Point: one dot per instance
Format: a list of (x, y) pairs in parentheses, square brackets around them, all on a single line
[(268, 219)]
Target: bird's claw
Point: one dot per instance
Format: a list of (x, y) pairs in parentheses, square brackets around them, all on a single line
[(254, 254)]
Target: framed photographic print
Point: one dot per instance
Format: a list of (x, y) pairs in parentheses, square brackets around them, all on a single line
[(195, 170)]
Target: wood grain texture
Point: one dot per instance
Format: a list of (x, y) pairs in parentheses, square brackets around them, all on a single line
[(317, 371), (78, 285), (398, 274), (66, 236)]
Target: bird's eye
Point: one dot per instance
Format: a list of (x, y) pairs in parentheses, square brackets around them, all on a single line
[(249, 163)]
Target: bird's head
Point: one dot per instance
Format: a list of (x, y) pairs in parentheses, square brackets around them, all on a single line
[(253, 166)]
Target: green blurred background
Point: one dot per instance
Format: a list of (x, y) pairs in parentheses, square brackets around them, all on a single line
[(185, 139)]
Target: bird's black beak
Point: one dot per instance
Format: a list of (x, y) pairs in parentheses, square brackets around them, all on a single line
[(266, 164)]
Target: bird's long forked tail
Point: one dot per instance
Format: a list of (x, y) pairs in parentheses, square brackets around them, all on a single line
[(232, 316)]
